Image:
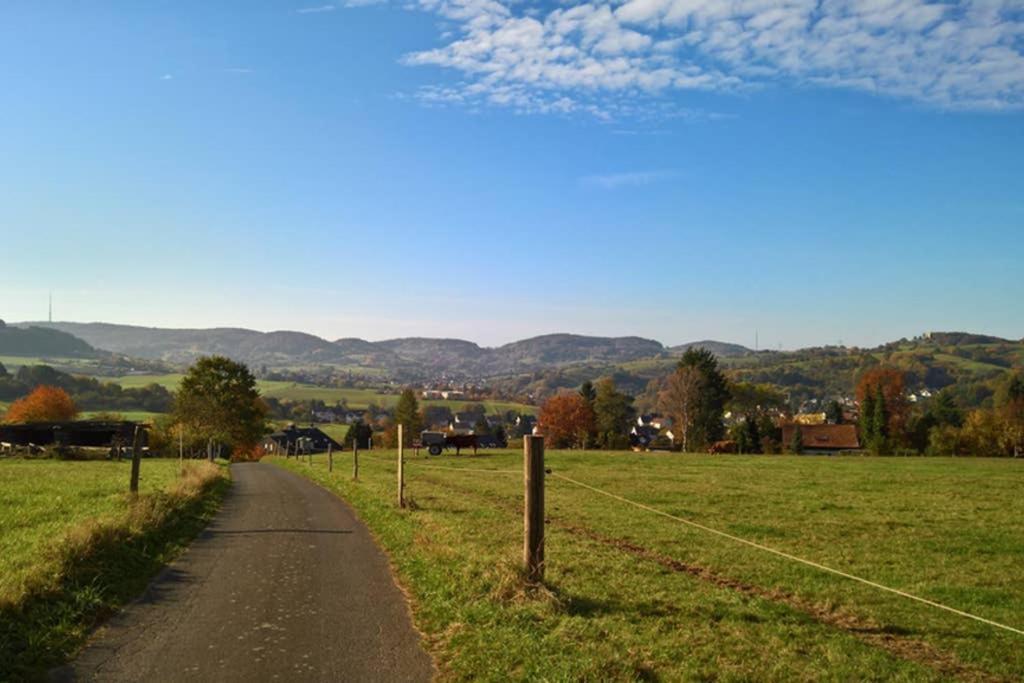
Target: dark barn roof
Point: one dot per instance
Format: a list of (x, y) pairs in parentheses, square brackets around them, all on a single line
[(319, 440), (824, 437), (86, 433)]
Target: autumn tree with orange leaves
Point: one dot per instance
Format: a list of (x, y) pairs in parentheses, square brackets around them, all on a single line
[(881, 394), (567, 420), (44, 404)]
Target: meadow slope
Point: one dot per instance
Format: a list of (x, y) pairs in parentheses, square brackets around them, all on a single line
[(631, 595)]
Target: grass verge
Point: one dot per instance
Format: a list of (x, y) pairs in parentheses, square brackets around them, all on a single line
[(88, 571)]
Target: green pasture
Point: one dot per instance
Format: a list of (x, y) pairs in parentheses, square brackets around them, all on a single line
[(632, 595)]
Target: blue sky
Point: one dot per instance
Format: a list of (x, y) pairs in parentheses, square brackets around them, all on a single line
[(678, 170)]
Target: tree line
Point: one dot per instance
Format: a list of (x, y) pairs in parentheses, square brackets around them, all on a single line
[(86, 392)]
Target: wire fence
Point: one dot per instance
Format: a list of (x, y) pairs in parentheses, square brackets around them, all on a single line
[(420, 464)]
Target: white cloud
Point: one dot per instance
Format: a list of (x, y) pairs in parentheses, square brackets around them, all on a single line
[(609, 57), (166, 77), (611, 181), (318, 9)]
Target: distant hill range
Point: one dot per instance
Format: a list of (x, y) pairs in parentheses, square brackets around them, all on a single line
[(720, 349), (408, 356), (42, 342)]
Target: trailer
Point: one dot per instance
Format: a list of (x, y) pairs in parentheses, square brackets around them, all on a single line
[(438, 442)]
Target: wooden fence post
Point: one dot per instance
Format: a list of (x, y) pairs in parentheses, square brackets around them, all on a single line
[(330, 457), (533, 507), (401, 469), (133, 486), (355, 459)]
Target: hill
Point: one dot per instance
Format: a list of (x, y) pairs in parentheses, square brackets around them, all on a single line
[(720, 349), (41, 341), (405, 359)]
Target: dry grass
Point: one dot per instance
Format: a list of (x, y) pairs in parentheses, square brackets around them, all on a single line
[(97, 565)]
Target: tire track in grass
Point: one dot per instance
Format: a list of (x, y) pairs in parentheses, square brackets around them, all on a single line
[(865, 629)]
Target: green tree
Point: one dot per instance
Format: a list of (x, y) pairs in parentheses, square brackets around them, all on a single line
[(879, 440), (834, 412), (753, 434), (707, 425), (218, 401), (358, 433), (867, 420), (613, 413), (944, 410), (738, 433), (796, 446), (770, 433), (407, 414), (588, 392), (1012, 415)]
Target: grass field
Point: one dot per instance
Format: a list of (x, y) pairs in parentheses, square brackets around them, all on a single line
[(293, 391), (133, 415), (631, 595), (74, 546)]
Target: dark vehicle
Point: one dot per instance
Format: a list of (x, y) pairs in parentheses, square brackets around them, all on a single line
[(436, 442)]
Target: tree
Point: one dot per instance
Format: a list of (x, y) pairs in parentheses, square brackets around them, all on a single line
[(680, 399), (887, 382), (770, 433), (587, 392), (834, 412), (753, 434), (358, 433), (944, 410), (748, 398), (44, 404), (796, 446), (707, 424), (867, 419), (218, 401), (407, 414), (567, 420), (982, 435), (1012, 414), (613, 412)]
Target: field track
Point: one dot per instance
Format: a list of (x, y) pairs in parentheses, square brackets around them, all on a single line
[(286, 584)]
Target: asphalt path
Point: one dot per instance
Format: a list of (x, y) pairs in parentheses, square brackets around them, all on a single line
[(286, 584)]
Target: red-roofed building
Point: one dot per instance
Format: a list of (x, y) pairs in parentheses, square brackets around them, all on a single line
[(823, 438)]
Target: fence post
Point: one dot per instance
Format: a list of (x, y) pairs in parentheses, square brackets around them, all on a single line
[(401, 469), (533, 507), (133, 486), (355, 459), (330, 458)]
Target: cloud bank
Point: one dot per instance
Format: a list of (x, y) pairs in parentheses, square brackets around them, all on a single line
[(612, 58)]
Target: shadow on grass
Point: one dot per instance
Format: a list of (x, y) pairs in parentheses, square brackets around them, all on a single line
[(95, 579)]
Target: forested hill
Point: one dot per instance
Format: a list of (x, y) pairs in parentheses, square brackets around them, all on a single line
[(972, 366), (40, 341), (404, 358)]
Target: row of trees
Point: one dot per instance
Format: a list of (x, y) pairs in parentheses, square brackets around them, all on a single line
[(889, 424), (694, 396), (87, 392)]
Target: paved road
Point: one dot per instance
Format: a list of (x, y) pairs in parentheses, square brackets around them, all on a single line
[(286, 584)]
